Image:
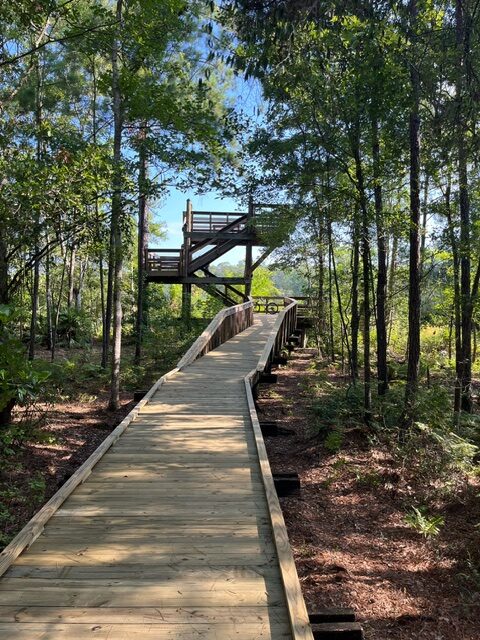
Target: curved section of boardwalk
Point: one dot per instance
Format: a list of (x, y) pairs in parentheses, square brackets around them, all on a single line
[(170, 536)]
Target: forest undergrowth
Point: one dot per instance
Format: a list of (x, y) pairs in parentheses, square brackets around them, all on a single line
[(389, 529)]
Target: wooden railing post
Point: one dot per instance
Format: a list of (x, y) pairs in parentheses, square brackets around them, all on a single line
[(248, 252), (185, 263)]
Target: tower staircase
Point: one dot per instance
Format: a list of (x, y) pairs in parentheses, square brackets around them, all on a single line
[(207, 236)]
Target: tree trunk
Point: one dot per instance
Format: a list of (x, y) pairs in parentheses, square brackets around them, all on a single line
[(36, 266), (142, 245), (381, 318), (57, 309), (71, 276), (330, 305), (414, 293), (343, 327), (4, 297), (462, 42), (367, 396), (117, 214), (391, 284), (34, 312), (109, 301), (355, 321), (456, 303), (49, 301)]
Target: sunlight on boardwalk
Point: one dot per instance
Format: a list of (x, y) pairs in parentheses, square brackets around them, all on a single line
[(169, 537)]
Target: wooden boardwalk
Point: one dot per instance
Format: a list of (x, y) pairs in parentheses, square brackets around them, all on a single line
[(170, 536)]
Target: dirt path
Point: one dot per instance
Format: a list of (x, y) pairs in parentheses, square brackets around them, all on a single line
[(348, 532)]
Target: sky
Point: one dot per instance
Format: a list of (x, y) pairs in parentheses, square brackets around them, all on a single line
[(247, 96), (171, 214)]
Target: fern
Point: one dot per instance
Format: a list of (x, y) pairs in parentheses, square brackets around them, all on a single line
[(428, 526)]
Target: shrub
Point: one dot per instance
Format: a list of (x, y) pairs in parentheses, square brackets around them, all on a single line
[(428, 526), (21, 381)]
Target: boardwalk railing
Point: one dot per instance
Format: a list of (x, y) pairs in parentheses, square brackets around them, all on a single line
[(226, 324), (297, 611), (285, 325)]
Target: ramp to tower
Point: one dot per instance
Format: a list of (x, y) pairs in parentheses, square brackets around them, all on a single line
[(175, 531)]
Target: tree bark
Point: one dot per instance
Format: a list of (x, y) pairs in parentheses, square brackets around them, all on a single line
[(355, 321), (456, 303), (381, 318), (330, 307), (117, 214), (36, 266), (414, 292), (362, 198), (4, 297), (391, 284), (71, 275), (142, 245), (462, 44), (48, 301), (343, 326)]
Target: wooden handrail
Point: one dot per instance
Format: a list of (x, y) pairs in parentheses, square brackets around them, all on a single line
[(283, 328), (226, 324), (297, 611)]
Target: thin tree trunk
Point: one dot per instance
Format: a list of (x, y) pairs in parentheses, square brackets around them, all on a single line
[(355, 321), (365, 250), (391, 284), (330, 305), (381, 317), (321, 283), (117, 213), (109, 301), (34, 316), (71, 275), (343, 326), (423, 238), (57, 309), (142, 245), (49, 302), (456, 303), (36, 266), (462, 42), (4, 297), (414, 292), (78, 291)]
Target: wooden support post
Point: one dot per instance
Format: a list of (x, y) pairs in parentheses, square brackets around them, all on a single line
[(303, 339), (340, 614), (268, 378), (286, 484), (186, 303), (269, 428)]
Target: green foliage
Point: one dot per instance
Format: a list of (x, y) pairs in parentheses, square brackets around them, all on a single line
[(429, 526), (21, 381), (74, 327), (333, 442), (469, 578)]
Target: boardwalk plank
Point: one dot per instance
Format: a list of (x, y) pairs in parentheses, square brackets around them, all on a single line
[(169, 537)]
